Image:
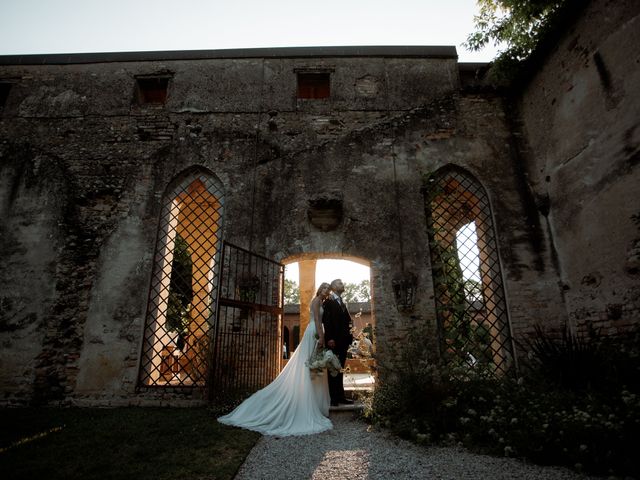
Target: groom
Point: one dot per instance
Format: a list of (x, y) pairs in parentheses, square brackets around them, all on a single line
[(337, 336)]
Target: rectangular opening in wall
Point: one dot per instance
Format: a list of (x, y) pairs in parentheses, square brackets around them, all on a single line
[(314, 84), (151, 90), (4, 93)]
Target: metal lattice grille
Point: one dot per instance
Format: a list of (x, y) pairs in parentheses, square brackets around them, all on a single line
[(248, 344), (177, 336), (470, 302)]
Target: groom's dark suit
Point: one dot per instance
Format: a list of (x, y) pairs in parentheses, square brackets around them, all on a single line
[(337, 326)]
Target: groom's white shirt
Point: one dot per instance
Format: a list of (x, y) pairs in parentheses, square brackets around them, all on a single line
[(335, 296)]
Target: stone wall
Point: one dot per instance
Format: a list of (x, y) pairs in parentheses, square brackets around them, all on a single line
[(84, 167), (580, 114)]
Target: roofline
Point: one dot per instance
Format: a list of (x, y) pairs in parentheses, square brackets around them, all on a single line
[(471, 66), (442, 51)]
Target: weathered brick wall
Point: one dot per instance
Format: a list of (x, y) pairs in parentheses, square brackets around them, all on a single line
[(83, 173), (469, 130), (83, 170), (580, 114)]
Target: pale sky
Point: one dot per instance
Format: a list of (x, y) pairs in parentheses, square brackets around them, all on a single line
[(328, 270), (72, 26), (468, 252)]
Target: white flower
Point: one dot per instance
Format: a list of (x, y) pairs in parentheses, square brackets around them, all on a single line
[(321, 359)]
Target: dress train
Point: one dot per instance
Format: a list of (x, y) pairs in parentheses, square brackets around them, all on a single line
[(295, 403)]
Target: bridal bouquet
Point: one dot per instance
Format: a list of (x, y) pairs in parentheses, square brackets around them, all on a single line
[(322, 358)]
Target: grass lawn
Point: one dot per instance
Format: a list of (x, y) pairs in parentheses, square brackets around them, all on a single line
[(119, 443)]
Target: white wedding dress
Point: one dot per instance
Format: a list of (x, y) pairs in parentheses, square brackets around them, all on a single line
[(295, 403)]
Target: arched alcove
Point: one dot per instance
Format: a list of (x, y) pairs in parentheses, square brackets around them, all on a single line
[(177, 326), (471, 310), (359, 373), (307, 277)]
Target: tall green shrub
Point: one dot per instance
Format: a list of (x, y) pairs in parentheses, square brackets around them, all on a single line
[(180, 290)]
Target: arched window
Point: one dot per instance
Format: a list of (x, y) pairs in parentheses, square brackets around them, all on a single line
[(177, 334), (470, 301)]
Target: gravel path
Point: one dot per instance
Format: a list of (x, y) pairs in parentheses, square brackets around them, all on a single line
[(351, 452)]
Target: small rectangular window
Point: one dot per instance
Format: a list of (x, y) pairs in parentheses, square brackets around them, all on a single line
[(314, 85), (152, 90), (4, 93)]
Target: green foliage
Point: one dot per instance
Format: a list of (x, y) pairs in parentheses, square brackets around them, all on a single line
[(586, 432), (357, 292), (291, 292), (473, 290), (519, 25), (180, 288), (120, 443), (421, 400), (464, 339), (584, 362), (590, 425)]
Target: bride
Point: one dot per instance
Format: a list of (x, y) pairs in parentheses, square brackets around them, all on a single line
[(296, 402)]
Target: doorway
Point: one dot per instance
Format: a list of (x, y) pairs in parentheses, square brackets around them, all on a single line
[(303, 276)]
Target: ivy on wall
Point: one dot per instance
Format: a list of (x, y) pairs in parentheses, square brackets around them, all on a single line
[(180, 290)]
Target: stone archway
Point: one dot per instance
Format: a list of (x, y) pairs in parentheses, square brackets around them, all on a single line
[(359, 371), (307, 265)]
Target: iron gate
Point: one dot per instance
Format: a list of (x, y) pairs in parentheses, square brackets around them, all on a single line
[(470, 302), (214, 310), (176, 342), (247, 345)]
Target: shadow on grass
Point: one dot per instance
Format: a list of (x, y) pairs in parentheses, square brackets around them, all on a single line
[(121, 443)]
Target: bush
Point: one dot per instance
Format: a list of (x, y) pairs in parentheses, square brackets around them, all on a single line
[(558, 412), (587, 362)]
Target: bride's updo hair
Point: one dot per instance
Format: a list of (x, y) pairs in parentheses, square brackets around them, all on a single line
[(323, 285)]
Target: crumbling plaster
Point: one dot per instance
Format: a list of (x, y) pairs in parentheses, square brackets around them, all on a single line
[(580, 114), (83, 171)]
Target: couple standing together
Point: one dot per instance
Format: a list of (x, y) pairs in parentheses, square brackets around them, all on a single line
[(297, 401)]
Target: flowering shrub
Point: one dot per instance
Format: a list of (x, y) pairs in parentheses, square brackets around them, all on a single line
[(590, 425), (555, 427)]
